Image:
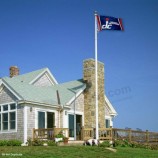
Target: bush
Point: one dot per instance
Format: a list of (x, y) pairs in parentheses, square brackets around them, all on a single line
[(125, 143), (29, 142), (51, 143), (134, 144), (13, 142), (60, 135), (37, 142), (154, 146), (121, 143), (104, 144), (3, 142)]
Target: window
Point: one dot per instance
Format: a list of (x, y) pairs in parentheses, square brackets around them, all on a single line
[(5, 107), (46, 119), (41, 119), (7, 117), (5, 121), (107, 123), (12, 106), (12, 120)]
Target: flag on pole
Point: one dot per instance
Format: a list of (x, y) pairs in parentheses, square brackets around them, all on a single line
[(109, 23), (102, 23)]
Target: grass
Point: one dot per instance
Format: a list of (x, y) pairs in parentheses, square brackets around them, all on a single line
[(75, 152)]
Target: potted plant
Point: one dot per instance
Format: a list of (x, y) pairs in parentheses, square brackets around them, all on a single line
[(65, 140), (59, 137)]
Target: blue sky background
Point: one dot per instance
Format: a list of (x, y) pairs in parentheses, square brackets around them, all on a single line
[(59, 34)]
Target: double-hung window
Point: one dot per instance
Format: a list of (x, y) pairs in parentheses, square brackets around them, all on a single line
[(8, 117)]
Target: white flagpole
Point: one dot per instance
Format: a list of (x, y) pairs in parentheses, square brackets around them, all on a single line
[(96, 77)]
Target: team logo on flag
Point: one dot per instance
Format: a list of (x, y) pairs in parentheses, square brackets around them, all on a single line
[(109, 23)]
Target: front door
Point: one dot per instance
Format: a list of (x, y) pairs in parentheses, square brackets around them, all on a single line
[(78, 126), (50, 119), (41, 119), (75, 133), (71, 125)]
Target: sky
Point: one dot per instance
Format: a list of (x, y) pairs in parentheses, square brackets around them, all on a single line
[(59, 34)]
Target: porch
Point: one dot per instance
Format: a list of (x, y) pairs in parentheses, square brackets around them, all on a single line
[(84, 134), (104, 134)]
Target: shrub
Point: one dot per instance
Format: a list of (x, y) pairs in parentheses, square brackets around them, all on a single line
[(60, 135), (104, 144), (134, 144), (121, 143), (154, 146), (37, 142), (3, 142), (125, 143), (29, 142), (116, 143), (13, 142), (51, 143)]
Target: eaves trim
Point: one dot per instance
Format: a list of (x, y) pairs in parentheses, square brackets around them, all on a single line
[(76, 95), (12, 90), (36, 103)]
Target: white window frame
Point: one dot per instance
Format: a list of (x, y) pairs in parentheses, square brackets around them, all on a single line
[(45, 111), (8, 112), (110, 119)]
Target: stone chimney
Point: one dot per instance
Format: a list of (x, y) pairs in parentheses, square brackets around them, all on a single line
[(14, 71), (89, 94)]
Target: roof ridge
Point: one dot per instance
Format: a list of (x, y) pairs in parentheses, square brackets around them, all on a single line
[(81, 79), (42, 69), (27, 77)]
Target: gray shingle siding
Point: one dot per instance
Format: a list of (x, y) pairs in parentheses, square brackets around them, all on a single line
[(6, 96), (20, 130), (43, 81), (30, 121), (79, 103)]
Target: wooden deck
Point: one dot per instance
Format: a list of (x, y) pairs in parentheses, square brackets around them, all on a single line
[(104, 134)]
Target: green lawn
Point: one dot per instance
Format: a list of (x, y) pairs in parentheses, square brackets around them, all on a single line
[(75, 152)]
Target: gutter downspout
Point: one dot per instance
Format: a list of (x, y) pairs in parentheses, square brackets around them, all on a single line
[(59, 107), (25, 123)]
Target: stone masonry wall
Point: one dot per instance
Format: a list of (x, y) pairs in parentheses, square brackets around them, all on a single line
[(89, 94)]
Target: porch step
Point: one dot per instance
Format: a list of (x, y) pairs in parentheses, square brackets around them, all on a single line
[(72, 143)]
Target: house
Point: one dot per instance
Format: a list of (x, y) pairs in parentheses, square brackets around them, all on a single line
[(37, 100)]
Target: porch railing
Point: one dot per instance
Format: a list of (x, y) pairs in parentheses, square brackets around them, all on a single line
[(49, 133), (104, 134), (135, 135), (120, 134)]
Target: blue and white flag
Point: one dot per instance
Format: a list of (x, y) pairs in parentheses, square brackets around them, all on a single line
[(109, 23)]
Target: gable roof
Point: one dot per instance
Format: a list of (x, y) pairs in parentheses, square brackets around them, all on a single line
[(22, 87), (30, 77)]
